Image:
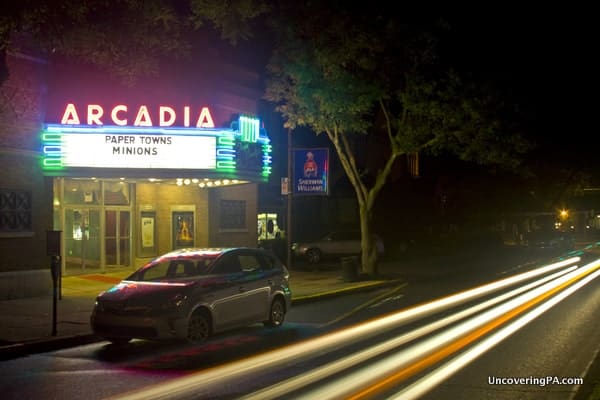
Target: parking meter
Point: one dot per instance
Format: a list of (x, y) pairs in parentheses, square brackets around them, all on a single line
[(53, 243), (53, 250), (55, 268)]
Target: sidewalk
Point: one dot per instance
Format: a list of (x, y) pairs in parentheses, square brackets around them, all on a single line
[(26, 324)]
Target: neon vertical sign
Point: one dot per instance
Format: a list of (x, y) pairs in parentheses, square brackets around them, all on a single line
[(249, 128)]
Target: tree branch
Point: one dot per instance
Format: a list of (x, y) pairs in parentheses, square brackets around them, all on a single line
[(348, 163)]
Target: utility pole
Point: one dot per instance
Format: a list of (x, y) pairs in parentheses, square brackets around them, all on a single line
[(289, 199)]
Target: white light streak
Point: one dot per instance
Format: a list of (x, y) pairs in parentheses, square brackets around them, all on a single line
[(374, 372), (263, 363), (427, 383), (297, 382)]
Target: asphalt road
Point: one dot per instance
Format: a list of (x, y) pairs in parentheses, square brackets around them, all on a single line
[(560, 343), (100, 370)]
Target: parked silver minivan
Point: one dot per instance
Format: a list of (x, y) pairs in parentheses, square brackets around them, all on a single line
[(193, 293)]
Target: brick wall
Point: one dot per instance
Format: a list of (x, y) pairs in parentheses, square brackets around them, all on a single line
[(22, 102), (23, 249), (247, 236), (163, 199)]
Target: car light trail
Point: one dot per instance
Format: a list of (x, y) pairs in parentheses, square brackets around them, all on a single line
[(198, 382), (297, 382), (406, 363), (434, 378)]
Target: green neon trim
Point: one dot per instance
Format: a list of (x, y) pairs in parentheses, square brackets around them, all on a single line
[(226, 140), (52, 163), (51, 137), (225, 164)]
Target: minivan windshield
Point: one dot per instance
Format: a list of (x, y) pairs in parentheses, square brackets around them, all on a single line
[(173, 268)]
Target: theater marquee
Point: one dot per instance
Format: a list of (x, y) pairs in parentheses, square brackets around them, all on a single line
[(243, 149), (134, 148)]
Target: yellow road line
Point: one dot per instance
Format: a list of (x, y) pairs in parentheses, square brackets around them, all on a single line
[(367, 304)]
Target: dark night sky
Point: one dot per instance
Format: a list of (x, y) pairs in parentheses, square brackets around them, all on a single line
[(544, 57)]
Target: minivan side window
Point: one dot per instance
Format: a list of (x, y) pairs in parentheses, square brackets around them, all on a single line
[(267, 262), (249, 262), (155, 272), (228, 264)]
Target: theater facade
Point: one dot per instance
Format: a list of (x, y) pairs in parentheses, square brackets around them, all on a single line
[(131, 183), (123, 174)]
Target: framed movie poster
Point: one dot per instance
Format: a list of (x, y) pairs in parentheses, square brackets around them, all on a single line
[(148, 234), (183, 229)]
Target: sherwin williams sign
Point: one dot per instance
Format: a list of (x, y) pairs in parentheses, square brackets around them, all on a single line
[(311, 171)]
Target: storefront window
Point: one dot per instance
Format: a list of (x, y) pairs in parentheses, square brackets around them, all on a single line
[(15, 211), (267, 226), (82, 191), (116, 193)]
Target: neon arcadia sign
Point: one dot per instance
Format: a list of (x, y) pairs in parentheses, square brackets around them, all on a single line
[(144, 116)]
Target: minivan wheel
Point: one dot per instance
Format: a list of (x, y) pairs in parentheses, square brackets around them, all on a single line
[(276, 313), (199, 327), (313, 256)]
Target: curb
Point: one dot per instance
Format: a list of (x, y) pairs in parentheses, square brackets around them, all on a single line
[(18, 350), (360, 287)]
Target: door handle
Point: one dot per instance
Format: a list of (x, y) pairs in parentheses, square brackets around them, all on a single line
[(242, 289)]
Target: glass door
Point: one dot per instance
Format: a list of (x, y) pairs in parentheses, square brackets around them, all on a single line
[(82, 239), (117, 237)]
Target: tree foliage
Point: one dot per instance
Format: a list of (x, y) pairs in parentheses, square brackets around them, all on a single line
[(125, 37), (235, 19), (345, 71)]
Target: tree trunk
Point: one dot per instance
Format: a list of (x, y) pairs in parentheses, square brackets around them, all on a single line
[(369, 255)]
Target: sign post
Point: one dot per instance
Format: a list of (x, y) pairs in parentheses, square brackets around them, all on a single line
[(289, 200)]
